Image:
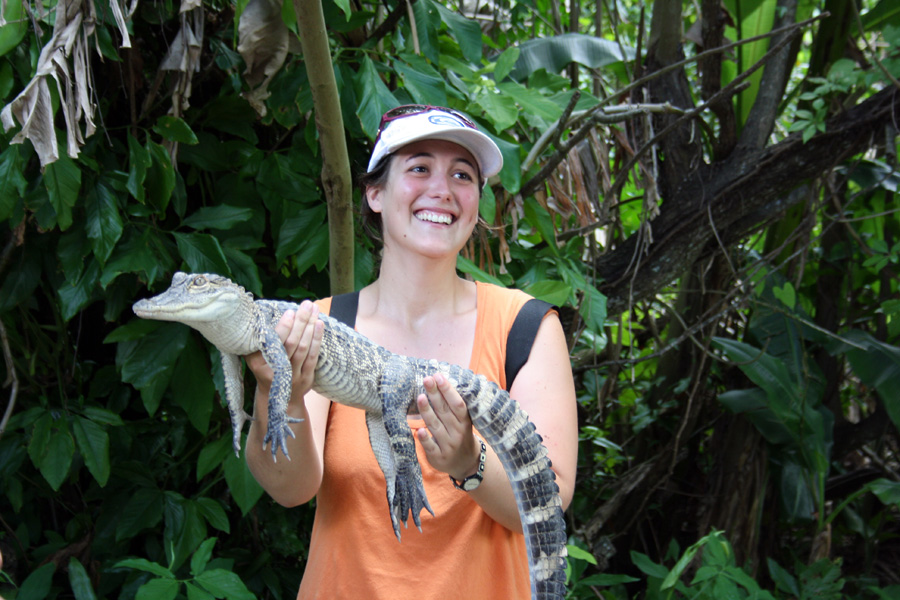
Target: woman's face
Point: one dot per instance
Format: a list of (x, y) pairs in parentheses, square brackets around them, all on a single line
[(429, 203)]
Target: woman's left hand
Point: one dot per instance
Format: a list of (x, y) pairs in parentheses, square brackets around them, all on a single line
[(447, 438)]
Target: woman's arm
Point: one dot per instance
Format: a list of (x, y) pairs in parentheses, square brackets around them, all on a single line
[(295, 481), (544, 388)]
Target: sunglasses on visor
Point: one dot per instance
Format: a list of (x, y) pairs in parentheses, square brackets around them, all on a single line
[(408, 110)]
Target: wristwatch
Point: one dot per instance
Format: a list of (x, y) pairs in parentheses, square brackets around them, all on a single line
[(472, 481)]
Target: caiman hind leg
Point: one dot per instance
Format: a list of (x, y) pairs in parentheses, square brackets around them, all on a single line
[(398, 391), (234, 396)]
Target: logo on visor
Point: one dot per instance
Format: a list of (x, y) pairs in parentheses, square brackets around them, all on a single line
[(445, 120)]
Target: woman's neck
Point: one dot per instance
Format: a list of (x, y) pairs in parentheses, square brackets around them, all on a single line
[(410, 288)]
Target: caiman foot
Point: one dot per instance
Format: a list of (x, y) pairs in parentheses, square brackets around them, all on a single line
[(408, 497), (277, 434), (237, 426)]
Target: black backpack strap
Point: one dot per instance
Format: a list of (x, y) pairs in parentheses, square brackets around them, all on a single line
[(521, 336), (344, 307)]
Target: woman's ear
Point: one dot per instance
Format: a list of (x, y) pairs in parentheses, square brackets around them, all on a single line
[(373, 197)]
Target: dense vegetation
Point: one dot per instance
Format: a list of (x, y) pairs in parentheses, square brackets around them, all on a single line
[(723, 238)]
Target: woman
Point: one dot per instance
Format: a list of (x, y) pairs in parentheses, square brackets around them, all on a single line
[(422, 188)]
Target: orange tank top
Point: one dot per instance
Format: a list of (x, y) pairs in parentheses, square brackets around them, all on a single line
[(461, 552)]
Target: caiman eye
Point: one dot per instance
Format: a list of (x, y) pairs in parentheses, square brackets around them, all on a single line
[(199, 281)]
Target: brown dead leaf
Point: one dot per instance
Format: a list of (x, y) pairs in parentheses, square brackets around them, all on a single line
[(263, 41)]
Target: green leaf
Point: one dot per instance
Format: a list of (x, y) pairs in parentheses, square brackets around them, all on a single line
[(160, 180), (218, 217), (887, 491), (877, 366), (466, 31), (19, 282), (314, 252), (159, 589), (12, 32), (606, 579), (192, 390), (142, 564), (244, 270), (75, 296), (12, 182), (212, 455), (647, 566), (505, 63), (344, 5), (244, 488), (423, 82), (37, 585), (764, 370), (80, 581), (554, 292), (374, 97), (195, 593), (138, 162), (224, 584), (553, 54), (144, 510), (185, 528), (55, 458), (580, 554), (214, 514), (147, 363), (201, 557), (63, 182), (499, 109), (93, 444), (202, 253), (427, 23), (531, 101), (538, 217), (175, 129), (464, 265), (103, 222), (297, 231)]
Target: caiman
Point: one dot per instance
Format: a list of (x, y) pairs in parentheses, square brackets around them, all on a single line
[(354, 371)]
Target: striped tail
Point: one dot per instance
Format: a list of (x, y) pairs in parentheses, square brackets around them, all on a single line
[(505, 426)]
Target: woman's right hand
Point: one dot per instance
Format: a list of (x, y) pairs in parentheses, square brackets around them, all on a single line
[(301, 332)]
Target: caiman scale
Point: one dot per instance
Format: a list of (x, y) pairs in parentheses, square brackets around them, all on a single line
[(354, 371)]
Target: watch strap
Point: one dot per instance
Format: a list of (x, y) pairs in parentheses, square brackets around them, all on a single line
[(473, 481)]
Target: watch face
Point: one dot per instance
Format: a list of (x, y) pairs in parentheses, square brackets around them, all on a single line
[(472, 482)]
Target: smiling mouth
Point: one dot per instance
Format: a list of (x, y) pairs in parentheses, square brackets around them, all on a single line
[(434, 217)]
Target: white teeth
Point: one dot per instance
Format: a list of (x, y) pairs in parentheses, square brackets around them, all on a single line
[(433, 217)]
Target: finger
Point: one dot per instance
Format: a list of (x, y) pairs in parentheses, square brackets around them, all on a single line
[(429, 444), (285, 323), (309, 365), (454, 402), (297, 327)]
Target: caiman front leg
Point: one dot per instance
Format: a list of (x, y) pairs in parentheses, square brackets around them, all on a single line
[(234, 396), (406, 494), (280, 392)]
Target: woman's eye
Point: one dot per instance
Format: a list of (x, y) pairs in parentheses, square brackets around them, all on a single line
[(464, 175)]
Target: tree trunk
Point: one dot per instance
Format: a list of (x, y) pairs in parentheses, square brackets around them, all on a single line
[(336, 177)]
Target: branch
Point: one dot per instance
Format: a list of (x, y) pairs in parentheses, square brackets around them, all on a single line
[(11, 378), (612, 114), (737, 188)]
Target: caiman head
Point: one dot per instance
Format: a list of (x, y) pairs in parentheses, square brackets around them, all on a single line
[(194, 298)]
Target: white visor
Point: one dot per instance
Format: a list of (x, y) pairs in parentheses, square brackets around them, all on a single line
[(437, 125)]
